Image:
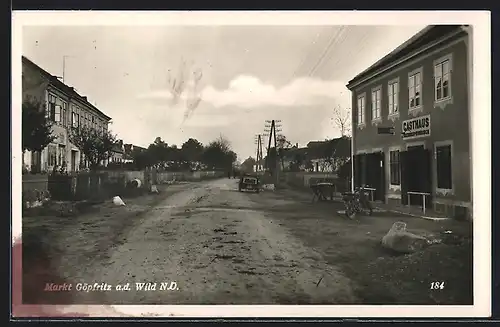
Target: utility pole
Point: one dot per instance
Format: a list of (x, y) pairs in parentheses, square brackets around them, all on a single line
[(271, 127), (258, 142)]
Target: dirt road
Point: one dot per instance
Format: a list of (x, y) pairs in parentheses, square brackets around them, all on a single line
[(208, 244)]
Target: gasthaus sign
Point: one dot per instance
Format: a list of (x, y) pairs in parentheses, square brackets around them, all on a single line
[(416, 127)]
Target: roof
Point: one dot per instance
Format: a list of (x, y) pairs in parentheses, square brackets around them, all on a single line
[(427, 36), (294, 151), (322, 149), (63, 87)]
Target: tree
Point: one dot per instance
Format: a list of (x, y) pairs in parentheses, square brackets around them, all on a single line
[(142, 158), (97, 146), (37, 128), (283, 146), (218, 154), (191, 152), (158, 152), (342, 120), (336, 153)]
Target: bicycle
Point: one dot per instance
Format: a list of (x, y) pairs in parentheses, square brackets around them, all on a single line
[(357, 202)]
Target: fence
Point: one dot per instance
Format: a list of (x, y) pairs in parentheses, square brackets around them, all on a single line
[(88, 185), (35, 182)]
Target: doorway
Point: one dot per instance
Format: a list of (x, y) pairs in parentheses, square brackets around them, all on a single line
[(73, 160), (375, 176), (369, 170), (416, 174)]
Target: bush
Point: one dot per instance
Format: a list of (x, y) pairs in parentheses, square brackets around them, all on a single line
[(31, 196)]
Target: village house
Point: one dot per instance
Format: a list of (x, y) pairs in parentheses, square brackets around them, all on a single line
[(328, 156), (67, 109), (117, 153), (411, 122)]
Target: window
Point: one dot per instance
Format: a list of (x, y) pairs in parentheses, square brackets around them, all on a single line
[(361, 110), (74, 119), (64, 113), (376, 101), (443, 162), (51, 108), (442, 72), (57, 113), (394, 167), (415, 90), (393, 91)]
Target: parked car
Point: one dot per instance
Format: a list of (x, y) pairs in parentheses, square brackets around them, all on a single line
[(249, 182)]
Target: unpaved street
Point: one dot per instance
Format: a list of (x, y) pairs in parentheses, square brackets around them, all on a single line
[(219, 246)]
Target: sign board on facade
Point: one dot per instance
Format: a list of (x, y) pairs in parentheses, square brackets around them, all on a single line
[(385, 130), (416, 127)]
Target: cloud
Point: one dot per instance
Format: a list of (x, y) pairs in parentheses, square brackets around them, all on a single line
[(249, 92)]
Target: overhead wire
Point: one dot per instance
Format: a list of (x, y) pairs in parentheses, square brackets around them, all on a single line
[(333, 40)]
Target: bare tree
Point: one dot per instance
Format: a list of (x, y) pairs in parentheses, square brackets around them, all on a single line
[(223, 143), (342, 120)]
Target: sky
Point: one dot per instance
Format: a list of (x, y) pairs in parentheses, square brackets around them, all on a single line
[(239, 76)]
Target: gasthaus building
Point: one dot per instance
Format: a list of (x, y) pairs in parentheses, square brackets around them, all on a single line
[(411, 123)]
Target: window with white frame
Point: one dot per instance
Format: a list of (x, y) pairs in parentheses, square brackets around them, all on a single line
[(415, 90), (376, 104), (394, 167), (75, 118), (52, 107), (393, 92), (361, 110), (444, 166), (64, 113), (442, 74)]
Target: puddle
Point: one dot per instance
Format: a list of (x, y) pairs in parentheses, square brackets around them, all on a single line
[(225, 257), (248, 272)]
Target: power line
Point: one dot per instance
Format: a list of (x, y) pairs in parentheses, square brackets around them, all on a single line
[(360, 45), (308, 56), (333, 40)]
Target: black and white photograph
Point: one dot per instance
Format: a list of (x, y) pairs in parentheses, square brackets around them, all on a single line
[(251, 164)]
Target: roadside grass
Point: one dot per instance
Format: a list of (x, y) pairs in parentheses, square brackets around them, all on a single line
[(378, 276)]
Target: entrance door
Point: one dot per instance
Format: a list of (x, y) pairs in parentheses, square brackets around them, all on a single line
[(415, 174), (360, 169), (375, 177), (73, 160)]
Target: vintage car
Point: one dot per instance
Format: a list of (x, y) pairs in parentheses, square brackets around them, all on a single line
[(249, 182)]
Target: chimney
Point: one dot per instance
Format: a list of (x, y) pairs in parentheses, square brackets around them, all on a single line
[(296, 145), (84, 98)]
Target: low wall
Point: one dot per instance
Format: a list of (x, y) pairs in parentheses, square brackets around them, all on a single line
[(162, 177)]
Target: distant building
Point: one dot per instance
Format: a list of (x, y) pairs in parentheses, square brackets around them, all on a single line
[(128, 151), (117, 153), (421, 90), (326, 156), (67, 109)]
